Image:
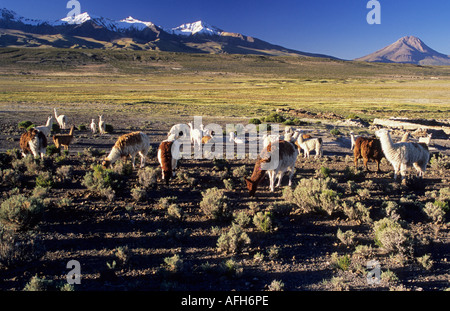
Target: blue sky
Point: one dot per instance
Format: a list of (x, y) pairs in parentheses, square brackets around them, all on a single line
[(333, 27)]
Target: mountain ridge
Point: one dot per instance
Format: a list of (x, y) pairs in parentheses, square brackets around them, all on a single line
[(91, 31)]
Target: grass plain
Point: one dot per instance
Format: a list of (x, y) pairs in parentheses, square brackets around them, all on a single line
[(218, 85)]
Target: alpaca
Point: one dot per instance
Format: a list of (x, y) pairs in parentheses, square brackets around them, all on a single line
[(47, 128), (404, 155), (309, 145), (367, 148), (129, 145), (287, 158), (234, 139), (166, 158), (196, 136), (101, 125), (179, 130), (64, 139), (268, 139), (426, 140), (34, 142), (353, 140), (405, 137), (93, 126), (61, 119)]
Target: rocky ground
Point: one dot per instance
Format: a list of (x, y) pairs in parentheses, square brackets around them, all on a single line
[(126, 244)]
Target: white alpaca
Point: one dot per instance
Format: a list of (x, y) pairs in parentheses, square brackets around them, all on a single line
[(404, 154), (129, 145), (308, 145), (268, 139), (291, 136), (426, 140), (196, 136), (236, 140), (93, 126), (47, 128), (101, 125), (61, 119), (287, 156), (179, 130)]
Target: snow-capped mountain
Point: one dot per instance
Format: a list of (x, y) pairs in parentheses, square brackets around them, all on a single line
[(90, 31), (196, 28), (410, 50)]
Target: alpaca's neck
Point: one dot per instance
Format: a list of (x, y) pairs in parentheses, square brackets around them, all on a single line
[(71, 131), (114, 155), (49, 122), (56, 114), (387, 144)]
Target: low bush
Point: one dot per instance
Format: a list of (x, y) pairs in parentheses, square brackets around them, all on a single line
[(233, 240), (101, 181), (313, 195), (390, 236), (263, 221), (21, 213), (214, 204)]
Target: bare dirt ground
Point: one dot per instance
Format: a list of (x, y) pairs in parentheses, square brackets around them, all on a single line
[(299, 251)]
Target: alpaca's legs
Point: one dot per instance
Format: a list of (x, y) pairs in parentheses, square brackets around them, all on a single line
[(280, 176), (291, 174), (365, 164), (174, 166), (142, 155), (272, 180), (403, 169), (133, 158)]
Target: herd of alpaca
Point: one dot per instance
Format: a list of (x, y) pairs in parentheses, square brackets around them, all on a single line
[(401, 155)]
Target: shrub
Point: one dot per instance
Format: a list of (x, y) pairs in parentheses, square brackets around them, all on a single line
[(356, 211), (390, 236), (82, 127), (340, 262), (347, 238), (44, 180), (174, 211), (436, 211), (276, 286), (24, 124), (214, 204), (254, 121), (138, 194), (10, 178), (17, 249), (425, 261), (148, 177), (64, 173), (263, 221), (335, 132), (233, 240), (37, 284), (101, 181), (242, 219), (313, 195), (109, 129), (20, 212), (51, 150), (173, 264), (274, 118)]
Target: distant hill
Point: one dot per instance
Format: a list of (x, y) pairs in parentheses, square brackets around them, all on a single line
[(89, 31), (409, 50)]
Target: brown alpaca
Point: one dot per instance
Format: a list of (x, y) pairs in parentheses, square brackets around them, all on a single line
[(64, 139), (167, 162), (206, 139), (34, 142), (368, 149)]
